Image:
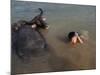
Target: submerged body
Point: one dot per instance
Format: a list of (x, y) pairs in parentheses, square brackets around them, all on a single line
[(28, 41), (74, 38)]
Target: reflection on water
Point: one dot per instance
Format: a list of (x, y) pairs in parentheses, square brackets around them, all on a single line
[(62, 19)]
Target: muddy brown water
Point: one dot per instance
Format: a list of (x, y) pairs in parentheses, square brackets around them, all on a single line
[(62, 18)]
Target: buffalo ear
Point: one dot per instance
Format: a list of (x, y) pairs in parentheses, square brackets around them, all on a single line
[(34, 26), (16, 28)]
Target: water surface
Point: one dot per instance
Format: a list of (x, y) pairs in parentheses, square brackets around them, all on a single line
[(62, 18)]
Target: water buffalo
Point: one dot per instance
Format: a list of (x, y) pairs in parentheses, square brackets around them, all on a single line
[(28, 40)]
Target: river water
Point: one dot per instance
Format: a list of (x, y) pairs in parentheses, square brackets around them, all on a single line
[(62, 18)]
